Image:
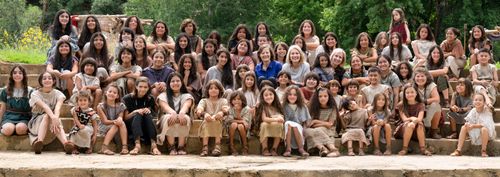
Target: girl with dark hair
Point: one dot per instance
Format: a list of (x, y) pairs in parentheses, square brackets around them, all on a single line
[(411, 124), (222, 71), (141, 53), (281, 49), (125, 73), (207, 58), (238, 119), (438, 68), (308, 32), (461, 104), (84, 131), (139, 117), (125, 40), (485, 77), (301, 42), (260, 29), (90, 26), (99, 51), (189, 27), (311, 83), (158, 72), (61, 30), (284, 80), (87, 80), (269, 121), (400, 25), (381, 130), (396, 50), (134, 23), (319, 132), (175, 104), (212, 110), (428, 91), (214, 35), (160, 38), (356, 72), (15, 110), (323, 68), (477, 42), (296, 116), (63, 65), (182, 46), (454, 52), (422, 45), (190, 78), (329, 43), (239, 76), (242, 54), (404, 70), (45, 124), (364, 50), (389, 78), (240, 32), (356, 121)]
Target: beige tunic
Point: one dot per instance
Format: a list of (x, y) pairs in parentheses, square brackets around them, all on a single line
[(271, 130), (50, 99), (321, 135), (175, 130), (213, 128)]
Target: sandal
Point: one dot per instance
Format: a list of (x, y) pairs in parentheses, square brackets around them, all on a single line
[(181, 150), (424, 151), (273, 152), (124, 150), (361, 152), (303, 153), (377, 152), (37, 147), (233, 150), (265, 152), (88, 151), (350, 152), (173, 151), (75, 151), (287, 153), (245, 150), (333, 153), (403, 151), (105, 150), (453, 135), (456, 153), (484, 153), (136, 150), (68, 147), (155, 151), (204, 151), (323, 152), (388, 152), (216, 152)]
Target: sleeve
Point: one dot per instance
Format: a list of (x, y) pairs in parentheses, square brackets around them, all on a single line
[(306, 116), (35, 97), (186, 97), (60, 95), (162, 97), (114, 68), (394, 80), (470, 117), (245, 114), (407, 52), (202, 104)]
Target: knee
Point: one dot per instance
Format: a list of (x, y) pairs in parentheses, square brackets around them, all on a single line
[(21, 129), (234, 125), (8, 129), (387, 127), (411, 125), (241, 126), (484, 130)]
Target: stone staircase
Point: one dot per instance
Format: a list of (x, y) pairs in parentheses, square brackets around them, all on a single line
[(21, 143)]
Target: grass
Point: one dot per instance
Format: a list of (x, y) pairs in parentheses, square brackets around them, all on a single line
[(28, 57)]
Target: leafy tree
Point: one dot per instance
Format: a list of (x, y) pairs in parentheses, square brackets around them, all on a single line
[(107, 6)]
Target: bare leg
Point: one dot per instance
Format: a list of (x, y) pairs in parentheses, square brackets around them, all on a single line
[(8, 129), (388, 139), (21, 129), (376, 137), (243, 137), (300, 141), (484, 141), (232, 130), (288, 140)]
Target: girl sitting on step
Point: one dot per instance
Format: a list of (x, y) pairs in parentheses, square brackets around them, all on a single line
[(238, 120), (479, 126), (87, 80), (485, 77), (356, 121), (461, 104), (270, 119), (296, 116), (84, 132), (111, 112)]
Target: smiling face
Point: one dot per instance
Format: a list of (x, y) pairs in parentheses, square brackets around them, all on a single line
[(98, 42), (383, 64), (478, 101), (394, 40), (64, 19), (262, 40), (420, 79), (364, 41), (126, 36), (126, 57), (261, 29), (311, 83), (352, 90), (374, 77), (209, 49), (380, 101), (423, 33), (242, 34), (450, 36), (337, 58), (175, 84), (187, 64), (330, 41), (404, 71), (242, 48), (323, 61), (410, 94), (241, 72), (112, 93), (89, 69), (139, 44), (160, 29), (295, 56), (298, 42), (213, 91), (323, 97), (477, 33), (356, 63), (265, 55), (142, 88), (334, 89), (268, 97), (281, 51), (483, 57), (17, 75), (292, 96), (189, 28), (435, 55), (64, 49), (237, 102), (307, 29), (158, 59), (460, 88), (91, 23), (283, 79), (222, 59), (183, 42), (133, 23), (47, 80), (83, 102)]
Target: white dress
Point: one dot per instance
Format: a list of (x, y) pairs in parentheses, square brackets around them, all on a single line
[(485, 118)]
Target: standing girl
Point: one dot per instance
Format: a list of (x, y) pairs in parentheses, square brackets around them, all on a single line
[(189, 27), (308, 32), (319, 132), (84, 132), (400, 25), (296, 115), (379, 115), (88, 81), (356, 121), (479, 126), (14, 103), (176, 104), (222, 71), (461, 104), (238, 120), (411, 124), (396, 50), (477, 42), (126, 72), (111, 112), (485, 77), (63, 65), (296, 65), (45, 124), (139, 117), (323, 68), (364, 50), (213, 111), (269, 121), (454, 52), (242, 54)]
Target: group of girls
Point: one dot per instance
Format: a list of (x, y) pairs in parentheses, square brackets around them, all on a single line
[(300, 94)]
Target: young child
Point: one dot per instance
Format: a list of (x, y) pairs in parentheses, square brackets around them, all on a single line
[(239, 75), (356, 121), (353, 92), (126, 72), (311, 81), (84, 132), (88, 81), (283, 82), (485, 77), (238, 120), (250, 90), (374, 88), (323, 68), (269, 121), (479, 126), (242, 54), (400, 25), (379, 116), (461, 104), (296, 115), (111, 111), (213, 111), (478, 41), (319, 131), (334, 87), (411, 126)]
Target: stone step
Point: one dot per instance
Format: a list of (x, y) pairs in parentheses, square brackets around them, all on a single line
[(30, 68), (446, 130), (496, 113)]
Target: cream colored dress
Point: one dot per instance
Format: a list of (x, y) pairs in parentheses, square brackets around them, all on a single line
[(175, 130), (213, 128), (50, 99)]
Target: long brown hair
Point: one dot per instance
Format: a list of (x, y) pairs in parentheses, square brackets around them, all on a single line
[(10, 86), (263, 107)]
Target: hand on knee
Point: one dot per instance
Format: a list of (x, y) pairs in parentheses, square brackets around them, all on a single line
[(411, 125)]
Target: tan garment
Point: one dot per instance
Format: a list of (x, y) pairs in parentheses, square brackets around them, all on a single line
[(175, 130), (214, 128), (431, 109), (271, 130), (50, 99), (321, 135)]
